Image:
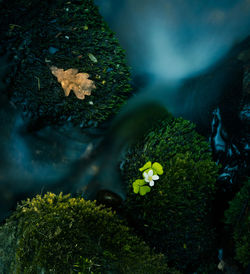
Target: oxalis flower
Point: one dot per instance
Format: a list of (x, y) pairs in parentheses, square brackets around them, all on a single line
[(150, 173), (149, 177)]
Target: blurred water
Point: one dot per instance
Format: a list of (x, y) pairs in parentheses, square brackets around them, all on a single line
[(174, 39), (183, 52), (177, 45)]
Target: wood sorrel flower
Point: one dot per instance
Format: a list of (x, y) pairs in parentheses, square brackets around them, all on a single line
[(149, 177)]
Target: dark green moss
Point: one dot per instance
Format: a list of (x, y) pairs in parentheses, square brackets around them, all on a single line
[(59, 234), (238, 218), (174, 217), (210, 268), (7, 246), (76, 29)]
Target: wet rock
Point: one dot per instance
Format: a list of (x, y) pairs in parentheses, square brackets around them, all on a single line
[(37, 41), (108, 198)]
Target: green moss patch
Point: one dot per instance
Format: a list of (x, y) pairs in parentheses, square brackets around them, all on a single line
[(174, 217), (238, 218), (67, 34), (60, 234)]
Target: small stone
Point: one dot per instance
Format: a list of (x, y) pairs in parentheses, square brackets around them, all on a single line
[(221, 265), (108, 198), (90, 123), (53, 50)]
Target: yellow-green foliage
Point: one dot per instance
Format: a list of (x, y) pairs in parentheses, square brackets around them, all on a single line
[(174, 216), (59, 234), (238, 217)]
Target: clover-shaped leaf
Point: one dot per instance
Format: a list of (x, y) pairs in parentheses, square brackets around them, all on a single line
[(144, 190), (157, 168), (136, 188), (137, 185), (146, 166)]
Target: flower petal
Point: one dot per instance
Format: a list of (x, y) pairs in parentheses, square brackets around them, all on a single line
[(145, 175), (155, 177), (146, 180), (151, 183), (150, 173)]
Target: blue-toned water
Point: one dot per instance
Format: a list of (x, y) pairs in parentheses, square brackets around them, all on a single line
[(179, 51), (174, 39)]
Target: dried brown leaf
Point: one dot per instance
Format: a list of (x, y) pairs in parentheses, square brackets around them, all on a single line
[(70, 79)]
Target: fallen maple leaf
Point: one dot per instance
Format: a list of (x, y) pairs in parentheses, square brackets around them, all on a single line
[(70, 79)]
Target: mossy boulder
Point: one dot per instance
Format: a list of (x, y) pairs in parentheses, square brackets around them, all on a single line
[(7, 246), (174, 217), (60, 234), (238, 218), (66, 34)]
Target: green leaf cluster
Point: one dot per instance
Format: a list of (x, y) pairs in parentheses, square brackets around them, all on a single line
[(176, 217), (60, 234), (139, 185), (156, 167), (237, 217)]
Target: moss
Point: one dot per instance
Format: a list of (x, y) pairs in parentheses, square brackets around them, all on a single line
[(174, 217), (78, 31), (238, 218), (210, 268), (60, 234), (7, 246)]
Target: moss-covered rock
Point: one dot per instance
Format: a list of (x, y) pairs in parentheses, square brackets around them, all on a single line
[(174, 217), (7, 246), (238, 218), (210, 268), (60, 234), (67, 34)]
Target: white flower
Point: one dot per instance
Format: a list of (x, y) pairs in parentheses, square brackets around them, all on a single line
[(150, 177)]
